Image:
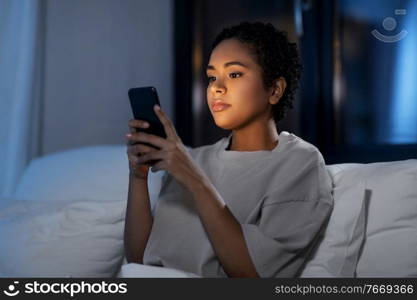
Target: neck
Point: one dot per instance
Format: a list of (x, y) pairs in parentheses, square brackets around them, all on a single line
[(254, 138)]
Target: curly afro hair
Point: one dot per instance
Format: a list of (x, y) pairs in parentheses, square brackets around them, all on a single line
[(274, 53)]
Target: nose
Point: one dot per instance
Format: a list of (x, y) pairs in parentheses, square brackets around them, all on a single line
[(218, 88)]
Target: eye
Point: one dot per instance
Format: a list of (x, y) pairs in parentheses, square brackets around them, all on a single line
[(209, 78), (232, 75), (236, 73)]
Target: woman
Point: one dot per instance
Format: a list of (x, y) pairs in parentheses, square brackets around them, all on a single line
[(250, 205)]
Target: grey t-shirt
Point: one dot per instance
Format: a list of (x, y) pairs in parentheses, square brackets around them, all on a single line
[(282, 198)]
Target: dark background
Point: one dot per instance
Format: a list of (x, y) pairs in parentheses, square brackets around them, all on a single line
[(358, 98)]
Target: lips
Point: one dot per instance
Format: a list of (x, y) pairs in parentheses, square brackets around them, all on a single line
[(219, 105)]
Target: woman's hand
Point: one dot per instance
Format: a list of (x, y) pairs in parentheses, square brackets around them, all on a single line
[(173, 155), (137, 169)]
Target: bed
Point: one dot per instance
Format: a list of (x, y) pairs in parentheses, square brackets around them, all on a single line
[(66, 219)]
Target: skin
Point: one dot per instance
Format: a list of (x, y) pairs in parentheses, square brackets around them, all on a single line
[(249, 118), (250, 114)]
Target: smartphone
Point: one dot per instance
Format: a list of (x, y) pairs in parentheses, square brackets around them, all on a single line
[(142, 101)]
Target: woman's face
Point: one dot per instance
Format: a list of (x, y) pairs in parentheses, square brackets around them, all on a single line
[(236, 79)]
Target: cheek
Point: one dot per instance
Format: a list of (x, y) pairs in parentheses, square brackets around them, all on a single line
[(247, 97), (251, 96)]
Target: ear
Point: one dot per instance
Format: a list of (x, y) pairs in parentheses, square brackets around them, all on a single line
[(278, 90)]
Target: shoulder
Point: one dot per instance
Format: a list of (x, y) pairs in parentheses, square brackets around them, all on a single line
[(311, 164), (297, 149), (302, 174)]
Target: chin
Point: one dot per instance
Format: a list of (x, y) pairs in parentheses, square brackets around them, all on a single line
[(223, 125)]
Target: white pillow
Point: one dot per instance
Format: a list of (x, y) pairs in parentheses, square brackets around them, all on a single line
[(390, 249), (390, 240), (98, 173), (93, 173), (337, 251), (53, 239)]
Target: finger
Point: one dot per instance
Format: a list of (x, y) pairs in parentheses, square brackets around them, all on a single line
[(132, 137), (138, 123), (142, 149), (157, 155), (129, 140), (158, 167), (135, 124), (154, 140), (134, 160), (166, 122)]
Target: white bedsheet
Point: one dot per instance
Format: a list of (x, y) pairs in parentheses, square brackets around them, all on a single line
[(133, 270), (78, 238)]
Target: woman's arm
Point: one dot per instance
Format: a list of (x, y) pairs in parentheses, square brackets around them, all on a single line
[(225, 232), (138, 223), (223, 229)]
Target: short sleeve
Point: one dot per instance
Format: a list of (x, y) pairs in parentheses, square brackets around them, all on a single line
[(155, 190), (285, 232)]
